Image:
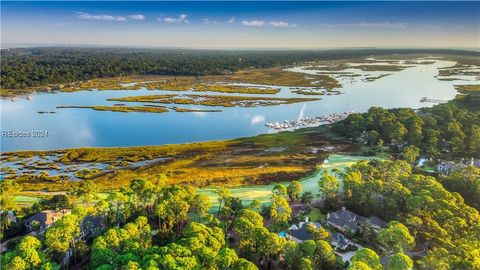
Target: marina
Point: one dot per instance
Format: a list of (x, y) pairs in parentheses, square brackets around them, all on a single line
[(432, 100), (307, 121)]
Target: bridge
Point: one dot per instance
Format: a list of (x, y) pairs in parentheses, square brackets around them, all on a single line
[(432, 100)]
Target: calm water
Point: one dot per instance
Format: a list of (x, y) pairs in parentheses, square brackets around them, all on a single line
[(69, 128)]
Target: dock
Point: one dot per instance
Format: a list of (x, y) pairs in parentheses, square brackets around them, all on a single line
[(432, 100), (307, 122)]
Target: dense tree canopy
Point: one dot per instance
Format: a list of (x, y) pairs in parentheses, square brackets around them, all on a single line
[(431, 213), (443, 129), (26, 67)]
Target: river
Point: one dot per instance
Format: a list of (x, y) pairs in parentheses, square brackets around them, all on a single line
[(71, 128)]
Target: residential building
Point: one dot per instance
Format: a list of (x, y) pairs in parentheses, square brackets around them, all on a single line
[(45, 219), (299, 233), (91, 225), (447, 167), (348, 222), (339, 241)]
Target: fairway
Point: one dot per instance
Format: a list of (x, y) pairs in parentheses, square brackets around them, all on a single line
[(310, 183)]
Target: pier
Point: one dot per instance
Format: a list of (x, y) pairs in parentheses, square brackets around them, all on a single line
[(307, 122), (432, 100)]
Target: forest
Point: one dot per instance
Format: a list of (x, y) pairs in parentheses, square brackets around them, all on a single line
[(447, 130), (33, 67), (150, 225)]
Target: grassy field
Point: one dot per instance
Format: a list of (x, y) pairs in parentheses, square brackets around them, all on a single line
[(25, 201), (309, 183)]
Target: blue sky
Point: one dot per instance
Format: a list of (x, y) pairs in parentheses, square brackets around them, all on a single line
[(243, 24)]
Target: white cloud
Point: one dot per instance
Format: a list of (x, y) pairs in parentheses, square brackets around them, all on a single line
[(208, 21), (281, 24), (258, 119), (369, 25), (231, 20), (254, 23), (276, 24), (137, 17), (105, 17), (183, 18)]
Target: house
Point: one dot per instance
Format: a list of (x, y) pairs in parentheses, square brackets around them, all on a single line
[(45, 219), (475, 162), (447, 167), (347, 221), (339, 241), (377, 223), (299, 233), (92, 224), (10, 216)]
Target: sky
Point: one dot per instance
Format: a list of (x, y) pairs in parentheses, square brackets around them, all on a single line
[(294, 25)]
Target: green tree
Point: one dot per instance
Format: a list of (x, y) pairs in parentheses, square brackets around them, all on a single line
[(294, 190), (400, 261), (328, 185), (395, 238), (474, 141), (279, 190), (307, 198), (280, 210), (63, 234), (201, 205), (118, 201), (243, 264), (318, 233), (369, 257), (85, 190), (255, 205), (358, 265), (306, 264), (8, 190), (226, 258), (410, 153), (436, 259), (17, 263), (28, 249), (141, 191), (372, 137), (222, 193)]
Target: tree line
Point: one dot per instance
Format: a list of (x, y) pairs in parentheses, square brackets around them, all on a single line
[(30, 67), (444, 130)]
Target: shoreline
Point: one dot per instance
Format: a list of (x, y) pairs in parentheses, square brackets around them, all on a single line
[(261, 159)]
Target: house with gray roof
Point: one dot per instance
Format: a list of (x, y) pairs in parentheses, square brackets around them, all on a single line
[(447, 167), (347, 221), (377, 223), (339, 241), (299, 233), (91, 225), (43, 220)]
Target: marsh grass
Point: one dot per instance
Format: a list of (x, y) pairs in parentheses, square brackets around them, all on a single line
[(124, 109), (267, 158), (213, 100)]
